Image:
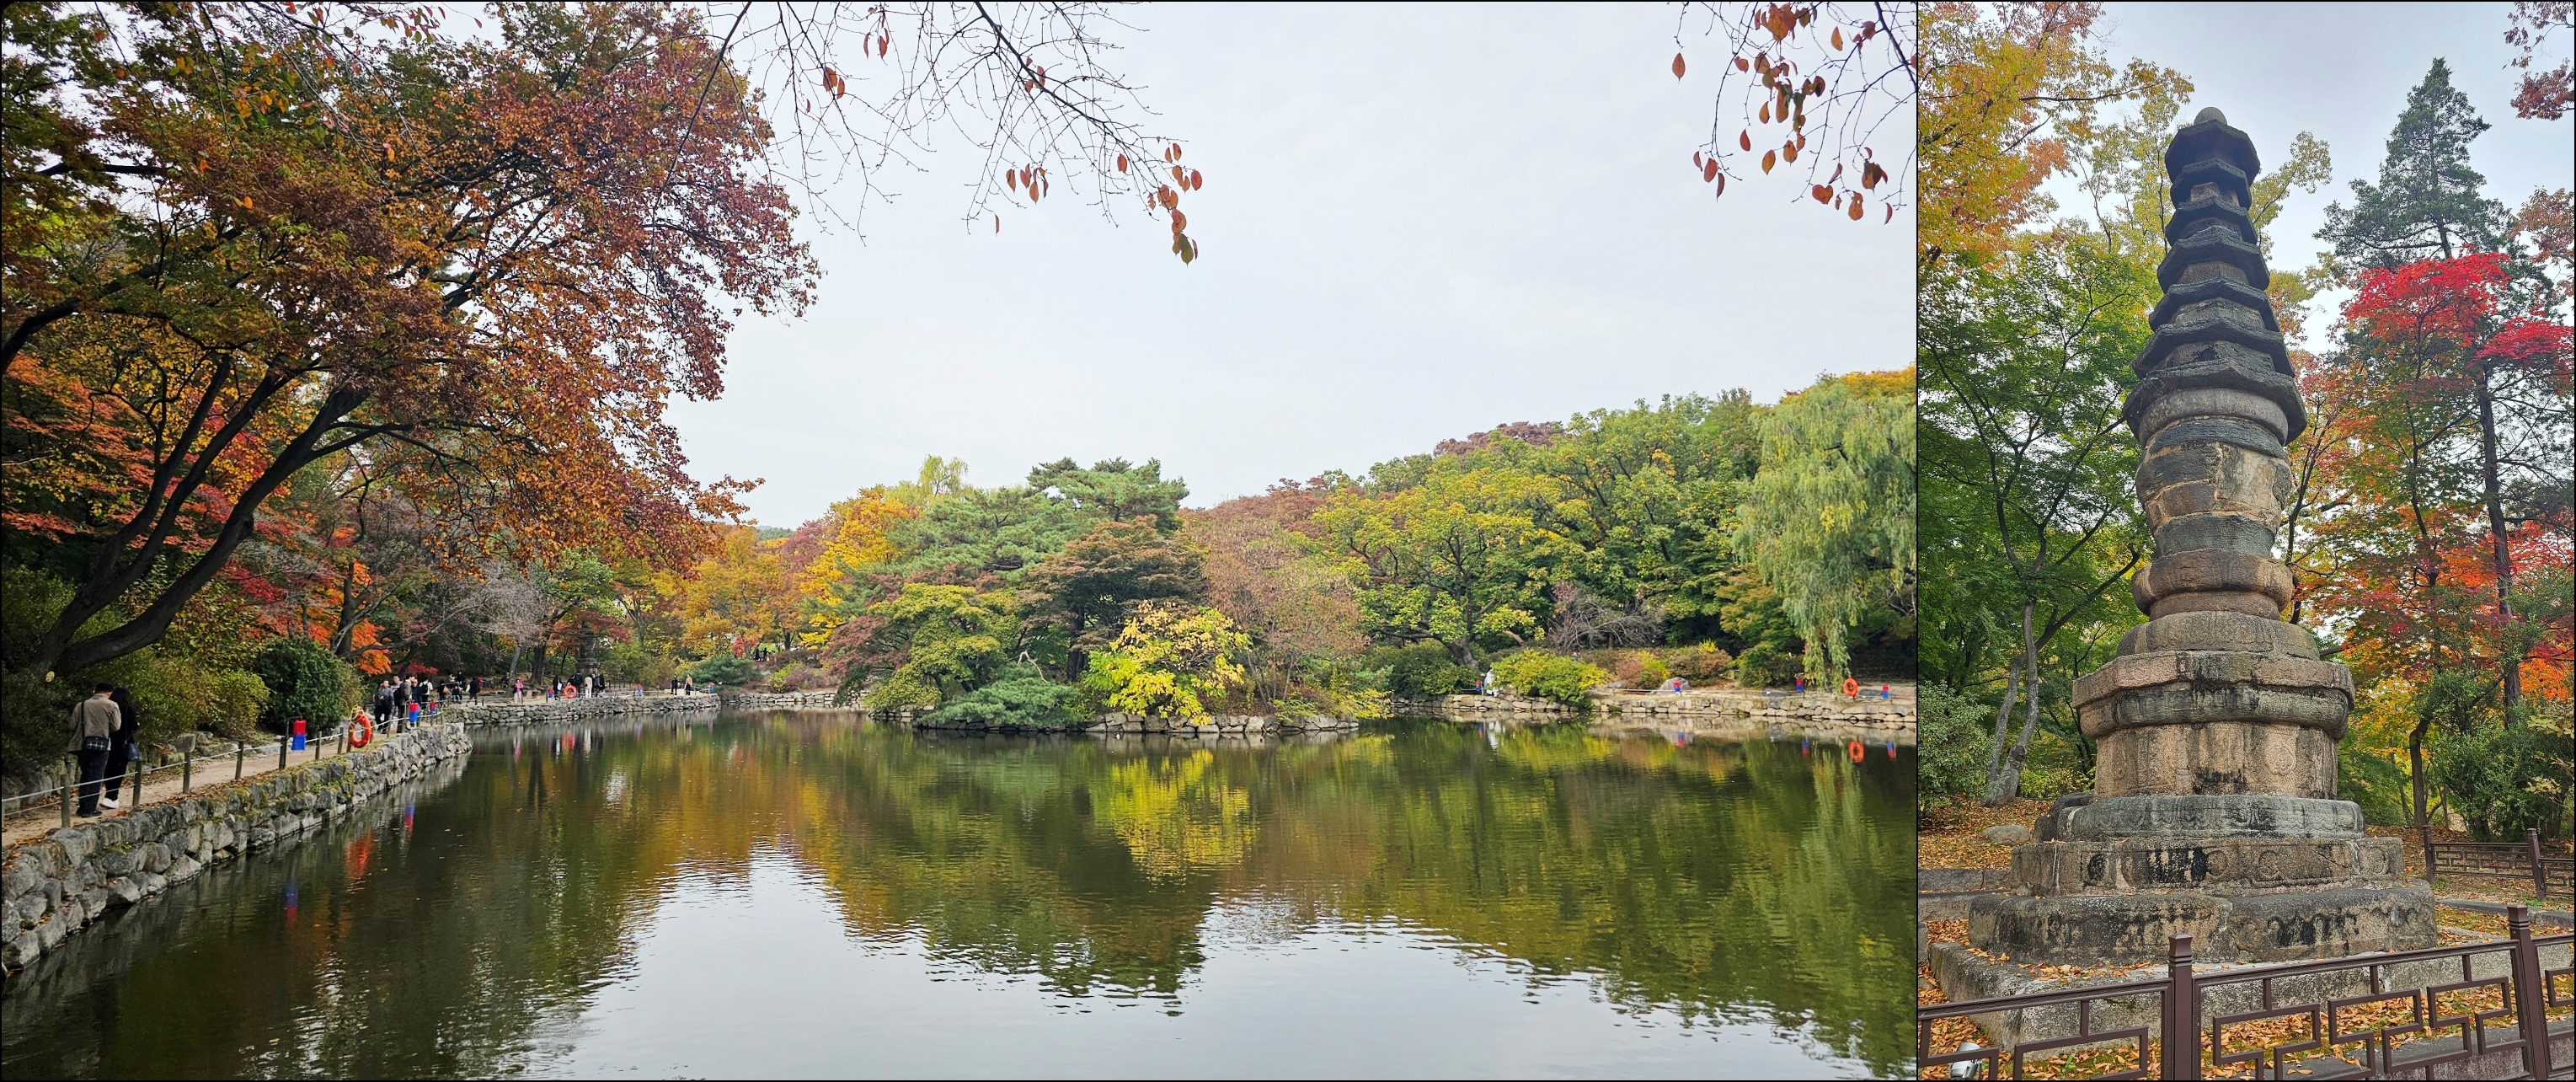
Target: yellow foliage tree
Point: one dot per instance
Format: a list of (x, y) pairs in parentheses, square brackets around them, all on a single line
[(2006, 96), (1168, 662), (737, 596), (858, 537)]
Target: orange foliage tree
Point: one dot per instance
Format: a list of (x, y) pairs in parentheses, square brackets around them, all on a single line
[(242, 241), (1797, 69)]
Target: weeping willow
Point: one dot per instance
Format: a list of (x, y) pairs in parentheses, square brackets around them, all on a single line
[(1828, 521)]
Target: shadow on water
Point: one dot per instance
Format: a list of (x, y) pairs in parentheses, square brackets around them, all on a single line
[(1714, 896)]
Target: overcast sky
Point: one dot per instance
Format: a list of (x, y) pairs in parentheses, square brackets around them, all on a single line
[(2342, 71), (1418, 223)]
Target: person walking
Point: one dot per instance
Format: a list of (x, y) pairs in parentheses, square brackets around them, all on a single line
[(94, 725), (121, 751)]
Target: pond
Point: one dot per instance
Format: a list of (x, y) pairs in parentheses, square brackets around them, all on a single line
[(787, 895)]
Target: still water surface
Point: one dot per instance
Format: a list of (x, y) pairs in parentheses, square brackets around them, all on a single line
[(782, 895)]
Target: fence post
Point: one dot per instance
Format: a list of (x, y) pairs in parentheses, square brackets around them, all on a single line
[(2427, 827), (2182, 1013), (188, 770), (281, 752), (2539, 877), (2530, 991), (71, 777)]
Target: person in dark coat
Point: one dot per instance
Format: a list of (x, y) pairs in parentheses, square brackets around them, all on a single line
[(122, 751), (94, 730)]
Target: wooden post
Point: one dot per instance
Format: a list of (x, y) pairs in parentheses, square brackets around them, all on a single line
[(281, 751), (2182, 1013), (240, 752), (188, 771), (2530, 991), (2539, 876), (71, 779)]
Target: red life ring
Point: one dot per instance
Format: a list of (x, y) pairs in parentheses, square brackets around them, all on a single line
[(361, 730), (1857, 751)]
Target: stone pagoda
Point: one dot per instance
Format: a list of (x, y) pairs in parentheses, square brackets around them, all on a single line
[(2213, 812)]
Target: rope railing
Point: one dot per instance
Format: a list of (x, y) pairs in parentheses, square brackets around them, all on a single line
[(19, 804)]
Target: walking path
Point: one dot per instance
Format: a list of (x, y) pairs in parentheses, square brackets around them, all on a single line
[(45, 817)]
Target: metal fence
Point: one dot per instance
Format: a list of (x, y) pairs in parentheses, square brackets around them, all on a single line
[(2503, 860), (2285, 1021)]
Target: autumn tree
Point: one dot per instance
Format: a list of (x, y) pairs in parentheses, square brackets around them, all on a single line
[(1843, 73), (2008, 95), (1103, 579), (1641, 499), (2545, 94), (1169, 662), (267, 240), (2479, 332), (1266, 573)]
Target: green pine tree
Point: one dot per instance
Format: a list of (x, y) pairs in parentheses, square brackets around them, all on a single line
[(2426, 204)]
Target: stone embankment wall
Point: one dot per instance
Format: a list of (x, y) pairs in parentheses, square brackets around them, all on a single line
[(1893, 716), (1821, 708), (80, 873), (793, 700), (1224, 725), (540, 711)]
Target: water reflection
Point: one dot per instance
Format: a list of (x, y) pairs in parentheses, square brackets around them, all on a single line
[(1455, 899)]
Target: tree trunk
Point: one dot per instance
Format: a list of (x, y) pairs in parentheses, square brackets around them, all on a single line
[(2007, 786), (2003, 775), (2415, 755), (2509, 653)]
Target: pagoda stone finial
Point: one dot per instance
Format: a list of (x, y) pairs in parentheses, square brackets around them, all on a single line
[(2213, 811)]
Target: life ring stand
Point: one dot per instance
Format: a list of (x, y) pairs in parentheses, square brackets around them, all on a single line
[(361, 730)]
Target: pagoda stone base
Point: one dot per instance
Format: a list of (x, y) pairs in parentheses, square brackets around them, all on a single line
[(2082, 817), (2134, 929), (2207, 865)]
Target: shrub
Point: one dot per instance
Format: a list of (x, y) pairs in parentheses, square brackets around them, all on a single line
[(723, 670), (2500, 780), (798, 676), (1421, 670), (1020, 699), (304, 681), (1764, 665), (234, 702), (1548, 676), (1700, 664), (1951, 744)]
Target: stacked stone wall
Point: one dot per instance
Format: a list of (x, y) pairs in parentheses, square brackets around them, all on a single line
[(83, 872)]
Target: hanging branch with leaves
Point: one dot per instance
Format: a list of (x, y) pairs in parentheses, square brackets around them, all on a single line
[(1800, 70), (1025, 85)]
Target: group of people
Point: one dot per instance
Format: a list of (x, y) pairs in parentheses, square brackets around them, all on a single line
[(407, 697), (103, 728), (579, 687)]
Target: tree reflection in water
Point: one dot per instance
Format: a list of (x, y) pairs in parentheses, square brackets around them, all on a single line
[(1716, 880)]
